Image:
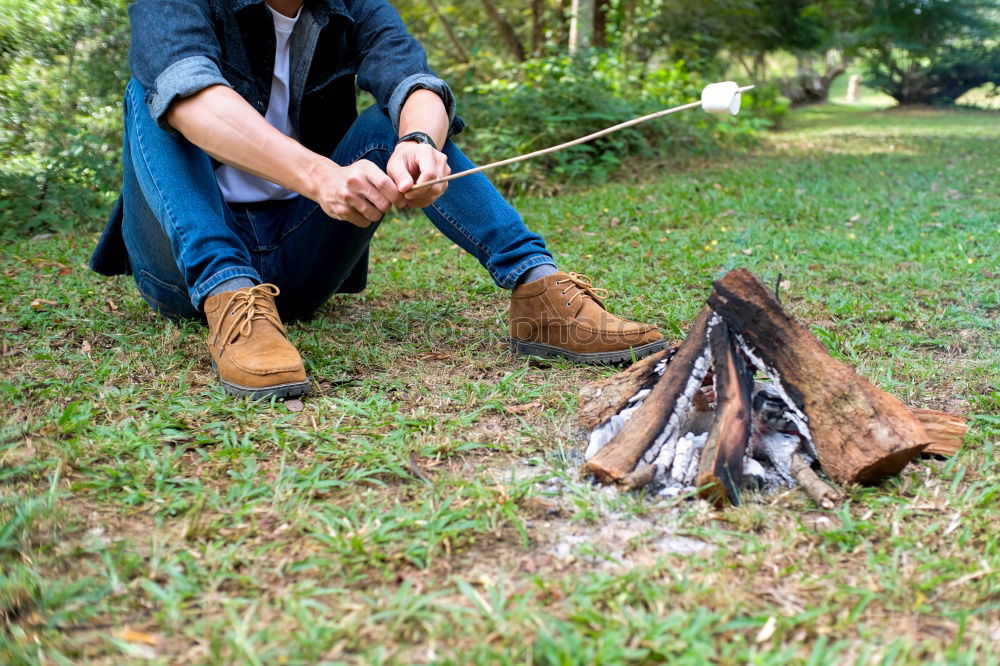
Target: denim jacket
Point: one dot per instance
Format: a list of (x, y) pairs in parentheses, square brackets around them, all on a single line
[(180, 47)]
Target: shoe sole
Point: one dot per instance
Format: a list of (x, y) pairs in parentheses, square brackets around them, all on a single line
[(282, 391), (593, 358)]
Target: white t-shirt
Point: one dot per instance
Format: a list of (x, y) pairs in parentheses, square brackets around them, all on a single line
[(239, 186)]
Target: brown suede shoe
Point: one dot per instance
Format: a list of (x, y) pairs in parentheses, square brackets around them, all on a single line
[(562, 315), (250, 352)]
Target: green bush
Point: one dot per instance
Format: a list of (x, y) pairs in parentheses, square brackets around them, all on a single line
[(62, 72), (63, 68), (553, 100)]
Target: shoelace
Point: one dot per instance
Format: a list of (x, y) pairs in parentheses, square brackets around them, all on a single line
[(249, 305), (584, 285)]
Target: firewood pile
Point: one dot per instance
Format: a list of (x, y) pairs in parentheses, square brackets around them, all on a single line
[(751, 400)]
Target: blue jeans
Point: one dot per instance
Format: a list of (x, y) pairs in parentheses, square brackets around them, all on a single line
[(183, 240)]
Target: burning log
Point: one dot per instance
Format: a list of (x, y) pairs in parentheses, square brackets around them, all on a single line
[(694, 419), (721, 470), (672, 393), (861, 434), (601, 400)]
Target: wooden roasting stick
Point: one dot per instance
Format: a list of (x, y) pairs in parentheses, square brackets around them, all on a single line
[(584, 139), (861, 433), (561, 146), (621, 454), (720, 472)]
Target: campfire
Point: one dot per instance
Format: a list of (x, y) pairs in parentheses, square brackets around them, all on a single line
[(751, 400)]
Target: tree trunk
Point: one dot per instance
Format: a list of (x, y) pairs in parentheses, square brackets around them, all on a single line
[(460, 50), (506, 32), (561, 30), (537, 27), (810, 85), (601, 8), (861, 433), (581, 26)]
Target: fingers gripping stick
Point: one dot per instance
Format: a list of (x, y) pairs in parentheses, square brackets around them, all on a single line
[(716, 98)]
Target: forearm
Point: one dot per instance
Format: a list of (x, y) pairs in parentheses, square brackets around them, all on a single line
[(425, 112), (220, 122)]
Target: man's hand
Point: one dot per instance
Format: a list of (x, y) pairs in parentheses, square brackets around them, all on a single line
[(412, 163), (359, 193)]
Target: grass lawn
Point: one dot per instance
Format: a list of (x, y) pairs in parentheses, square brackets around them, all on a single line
[(424, 506)]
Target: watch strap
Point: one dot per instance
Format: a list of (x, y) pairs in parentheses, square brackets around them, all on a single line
[(419, 137)]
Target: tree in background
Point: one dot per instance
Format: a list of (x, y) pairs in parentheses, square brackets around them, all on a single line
[(933, 51), (63, 68)]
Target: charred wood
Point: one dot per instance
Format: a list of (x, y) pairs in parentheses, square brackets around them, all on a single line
[(861, 433), (601, 400), (720, 472), (620, 456)]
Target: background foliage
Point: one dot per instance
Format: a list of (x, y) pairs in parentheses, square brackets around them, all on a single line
[(528, 75)]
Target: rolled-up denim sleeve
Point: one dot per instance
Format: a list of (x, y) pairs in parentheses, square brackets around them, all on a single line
[(393, 64), (174, 51)]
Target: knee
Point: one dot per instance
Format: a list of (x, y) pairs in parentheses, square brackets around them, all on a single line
[(371, 137)]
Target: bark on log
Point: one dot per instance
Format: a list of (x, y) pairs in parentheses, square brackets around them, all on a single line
[(819, 490), (720, 472), (601, 400), (861, 433), (945, 431), (620, 455)]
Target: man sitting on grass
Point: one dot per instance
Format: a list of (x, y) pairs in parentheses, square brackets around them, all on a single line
[(252, 187)]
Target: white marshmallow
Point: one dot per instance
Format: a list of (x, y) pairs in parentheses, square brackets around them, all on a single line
[(721, 98)]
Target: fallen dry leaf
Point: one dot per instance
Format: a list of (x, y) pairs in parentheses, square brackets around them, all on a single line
[(112, 306), (767, 630), (133, 636), (520, 409), (85, 347), (38, 303), (294, 405)]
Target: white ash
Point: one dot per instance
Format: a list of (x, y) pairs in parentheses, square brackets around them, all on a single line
[(775, 437), (682, 460), (777, 449), (605, 432), (796, 414), (754, 474), (685, 404)]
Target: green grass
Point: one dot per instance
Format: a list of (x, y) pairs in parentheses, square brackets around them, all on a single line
[(145, 515)]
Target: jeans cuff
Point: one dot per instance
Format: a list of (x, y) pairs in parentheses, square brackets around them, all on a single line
[(510, 280), (201, 290)]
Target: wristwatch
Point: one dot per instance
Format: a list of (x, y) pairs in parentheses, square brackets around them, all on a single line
[(419, 137)]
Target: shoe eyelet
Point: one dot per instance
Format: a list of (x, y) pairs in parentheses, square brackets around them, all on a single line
[(568, 304)]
